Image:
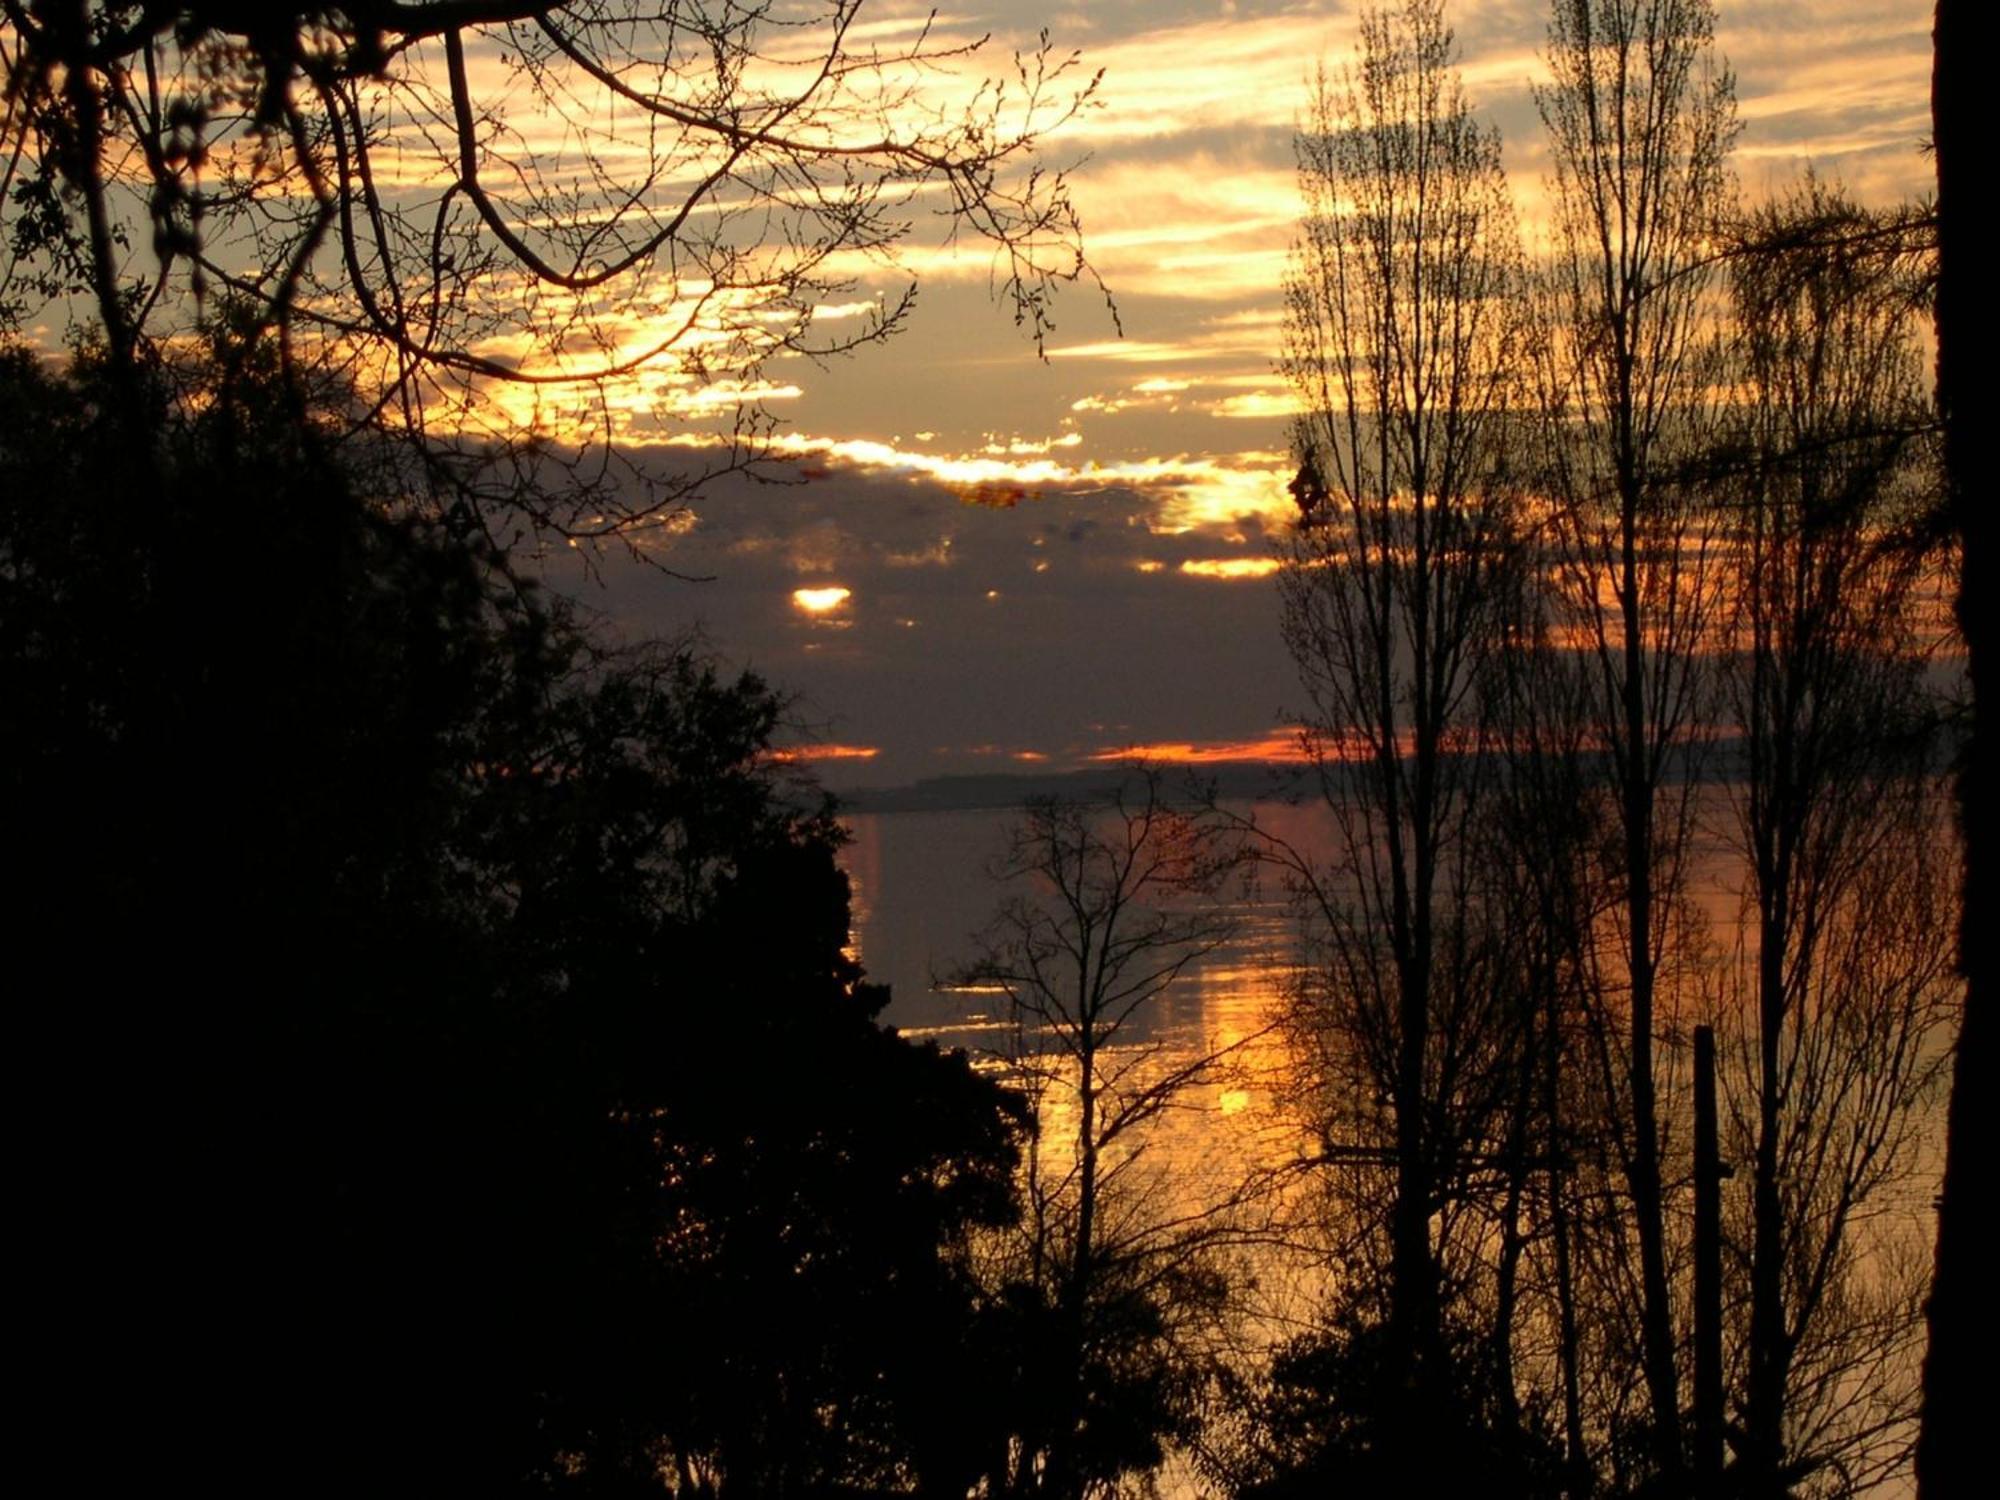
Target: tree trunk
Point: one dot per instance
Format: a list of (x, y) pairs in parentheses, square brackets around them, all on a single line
[(1575, 1453), (1512, 1242), (1415, 1294), (1064, 1479), (1642, 1168), (1764, 1408), (1949, 1450)]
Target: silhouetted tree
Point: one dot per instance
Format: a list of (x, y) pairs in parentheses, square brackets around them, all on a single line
[(1110, 903), (491, 214), (1401, 344), (441, 1019), (1640, 118), (1835, 818), (1548, 825)]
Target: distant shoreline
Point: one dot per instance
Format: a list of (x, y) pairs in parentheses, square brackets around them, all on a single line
[(1244, 781), (1235, 781)]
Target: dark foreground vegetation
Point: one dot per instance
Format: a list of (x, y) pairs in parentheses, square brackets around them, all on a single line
[(463, 1084), (440, 1069)]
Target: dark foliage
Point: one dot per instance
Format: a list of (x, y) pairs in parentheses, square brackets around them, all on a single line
[(443, 1066), (1331, 1421)]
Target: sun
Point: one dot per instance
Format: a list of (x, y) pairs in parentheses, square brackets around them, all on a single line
[(820, 601)]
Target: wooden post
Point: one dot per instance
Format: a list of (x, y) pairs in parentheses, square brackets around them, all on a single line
[(1708, 1175)]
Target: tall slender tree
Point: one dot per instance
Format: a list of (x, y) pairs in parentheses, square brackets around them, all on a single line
[(1109, 905), (1835, 817), (1550, 820), (1640, 118), (1402, 348)]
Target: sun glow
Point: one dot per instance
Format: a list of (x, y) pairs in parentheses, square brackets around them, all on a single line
[(822, 600)]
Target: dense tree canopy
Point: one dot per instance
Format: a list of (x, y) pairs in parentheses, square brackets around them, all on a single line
[(441, 1017), (453, 1004)]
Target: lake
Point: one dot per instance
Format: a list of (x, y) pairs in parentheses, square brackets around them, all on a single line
[(922, 893)]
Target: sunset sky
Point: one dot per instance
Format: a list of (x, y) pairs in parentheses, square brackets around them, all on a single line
[(994, 562)]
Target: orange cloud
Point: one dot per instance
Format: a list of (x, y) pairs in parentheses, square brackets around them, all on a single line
[(807, 753), (1279, 745), (1230, 567), (1189, 491)]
